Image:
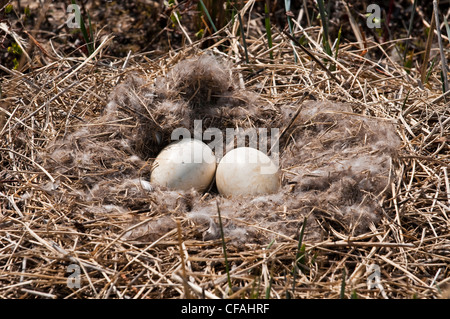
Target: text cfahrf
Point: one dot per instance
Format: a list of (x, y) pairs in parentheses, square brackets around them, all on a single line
[(234, 308)]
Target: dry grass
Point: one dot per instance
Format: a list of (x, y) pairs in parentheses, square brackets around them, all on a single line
[(43, 229)]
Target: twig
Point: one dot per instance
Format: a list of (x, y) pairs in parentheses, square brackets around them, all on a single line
[(39, 293), (426, 57), (440, 97), (343, 243)]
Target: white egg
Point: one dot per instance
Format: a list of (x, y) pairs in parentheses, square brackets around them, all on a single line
[(184, 165), (247, 171)]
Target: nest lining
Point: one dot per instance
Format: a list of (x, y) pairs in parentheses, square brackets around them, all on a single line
[(336, 165)]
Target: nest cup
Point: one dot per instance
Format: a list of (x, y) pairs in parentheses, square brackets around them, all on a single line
[(333, 165)]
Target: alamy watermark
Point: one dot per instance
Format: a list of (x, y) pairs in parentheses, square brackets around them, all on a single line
[(374, 279), (373, 16), (74, 19), (257, 138), (74, 279)]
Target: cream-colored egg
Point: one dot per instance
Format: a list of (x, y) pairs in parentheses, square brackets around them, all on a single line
[(184, 165), (247, 171)]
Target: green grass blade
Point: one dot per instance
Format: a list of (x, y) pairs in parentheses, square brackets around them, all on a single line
[(269, 288), (83, 29), (287, 6), (324, 18), (205, 10), (344, 275), (411, 20), (299, 257), (268, 27), (270, 244), (444, 63), (426, 55), (443, 78), (254, 292), (405, 100), (409, 63), (224, 247), (287, 292), (91, 34), (336, 51), (233, 14), (244, 41), (430, 70), (258, 289), (447, 27)]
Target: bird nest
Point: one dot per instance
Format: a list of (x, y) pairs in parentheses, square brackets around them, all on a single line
[(364, 180)]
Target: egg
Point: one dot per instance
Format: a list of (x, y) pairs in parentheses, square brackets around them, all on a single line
[(183, 165), (247, 171)]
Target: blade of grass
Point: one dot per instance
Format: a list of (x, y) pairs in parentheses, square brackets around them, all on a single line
[(269, 288), (299, 257), (336, 51), (408, 63), (270, 244), (83, 29), (405, 100), (244, 42), (224, 247), (254, 293), (268, 27), (205, 10), (447, 27), (234, 11), (411, 20), (324, 18), (344, 275), (443, 80), (430, 70), (427, 51), (91, 33), (287, 6), (287, 293), (441, 47)]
